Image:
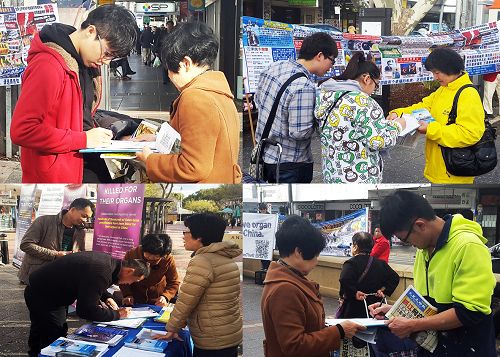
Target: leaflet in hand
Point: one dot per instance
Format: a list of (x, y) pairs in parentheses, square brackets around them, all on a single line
[(75, 347), (99, 333), (168, 140), (413, 120), (122, 146), (367, 335), (144, 341), (412, 305)]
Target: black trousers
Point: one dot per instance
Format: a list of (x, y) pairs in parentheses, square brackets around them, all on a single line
[(226, 352), (47, 323)]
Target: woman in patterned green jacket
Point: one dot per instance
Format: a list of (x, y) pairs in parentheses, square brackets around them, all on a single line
[(352, 125)]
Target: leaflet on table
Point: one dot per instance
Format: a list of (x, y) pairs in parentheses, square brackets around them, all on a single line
[(82, 348), (141, 312), (412, 305), (134, 352), (99, 333), (128, 323), (144, 341)]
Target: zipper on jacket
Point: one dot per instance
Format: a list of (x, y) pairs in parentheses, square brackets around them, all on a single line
[(427, 275)]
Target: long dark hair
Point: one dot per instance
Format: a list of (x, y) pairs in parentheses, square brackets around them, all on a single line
[(359, 65)]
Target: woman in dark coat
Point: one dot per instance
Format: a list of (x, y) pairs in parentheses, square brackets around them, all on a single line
[(355, 284)]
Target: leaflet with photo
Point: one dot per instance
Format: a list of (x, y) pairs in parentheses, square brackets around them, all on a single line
[(412, 305), (144, 341), (99, 333), (80, 348)]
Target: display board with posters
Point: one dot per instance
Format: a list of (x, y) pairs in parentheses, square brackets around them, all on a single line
[(259, 235), (338, 232), (24, 219), (18, 26), (400, 58), (53, 198), (118, 218), (11, 63), (31, 19)]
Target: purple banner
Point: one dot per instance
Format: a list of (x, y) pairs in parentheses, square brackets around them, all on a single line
[(118, 218)]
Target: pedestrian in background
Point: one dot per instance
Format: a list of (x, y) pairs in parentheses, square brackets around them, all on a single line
[(381, 248), (491, 85)]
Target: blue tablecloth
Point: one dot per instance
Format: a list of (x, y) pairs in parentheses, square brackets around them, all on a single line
[(174, 349)]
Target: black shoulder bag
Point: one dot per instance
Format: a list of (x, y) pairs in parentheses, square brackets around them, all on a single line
[(256, 156), (474, 160)]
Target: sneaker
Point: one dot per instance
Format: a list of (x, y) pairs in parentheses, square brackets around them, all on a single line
[(131, 73), (126, 78)]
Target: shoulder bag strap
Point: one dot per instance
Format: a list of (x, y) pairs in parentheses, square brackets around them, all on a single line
[(333, 107), (274, 108), (370, 260), (453, 112)]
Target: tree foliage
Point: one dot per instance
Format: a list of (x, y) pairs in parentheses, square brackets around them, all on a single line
[(201, 206), (221, 195)]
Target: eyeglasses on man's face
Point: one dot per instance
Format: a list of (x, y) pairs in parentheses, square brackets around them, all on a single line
[(105, 54), (405, 240)]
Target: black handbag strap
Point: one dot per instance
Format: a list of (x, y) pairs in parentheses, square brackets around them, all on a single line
[(333, 107), (368, 265), (274, 108), (453, 112)]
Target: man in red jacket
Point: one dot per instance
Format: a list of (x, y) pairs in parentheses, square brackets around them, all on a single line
[(53, 118), (381, 249)]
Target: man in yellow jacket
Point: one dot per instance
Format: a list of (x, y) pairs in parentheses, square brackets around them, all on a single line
[(448, 69)]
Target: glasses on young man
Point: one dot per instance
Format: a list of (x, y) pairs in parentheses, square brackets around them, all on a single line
[(186, 232), (409, 231), (331, 58), (105, 54)]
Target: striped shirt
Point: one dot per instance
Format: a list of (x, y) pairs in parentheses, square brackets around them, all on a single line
[(293, 125)]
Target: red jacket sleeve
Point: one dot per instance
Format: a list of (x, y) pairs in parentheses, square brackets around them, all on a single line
[(42, 85)]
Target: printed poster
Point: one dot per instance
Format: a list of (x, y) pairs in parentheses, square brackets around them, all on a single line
[(31, 19), (400, 59), (11, 63), (338, 232), (24, 219), (118, 218), (259, 235)]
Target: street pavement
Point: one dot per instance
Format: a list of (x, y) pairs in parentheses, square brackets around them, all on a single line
[(14, 316), (401, 164)]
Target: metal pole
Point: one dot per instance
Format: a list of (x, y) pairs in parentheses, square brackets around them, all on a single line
[(8, 121), (458, 14), (441, 12)]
